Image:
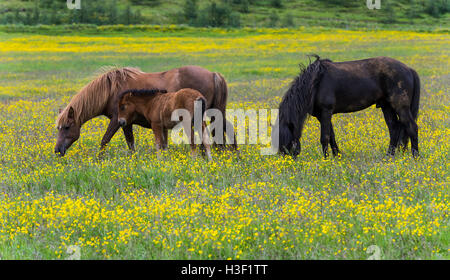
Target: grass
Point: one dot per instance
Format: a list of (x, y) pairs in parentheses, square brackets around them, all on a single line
[(239, 206)]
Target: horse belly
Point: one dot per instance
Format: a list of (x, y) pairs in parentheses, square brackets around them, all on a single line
[(357, 99)]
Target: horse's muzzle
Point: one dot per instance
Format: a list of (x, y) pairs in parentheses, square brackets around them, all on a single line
[(122, 122), (60, 151)]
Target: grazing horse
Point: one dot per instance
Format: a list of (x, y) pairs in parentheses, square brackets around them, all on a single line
[(157, 107), (325, 88), (99, 97)]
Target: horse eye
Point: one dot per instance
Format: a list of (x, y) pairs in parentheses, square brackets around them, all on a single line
[(122, 107), (66, 127)]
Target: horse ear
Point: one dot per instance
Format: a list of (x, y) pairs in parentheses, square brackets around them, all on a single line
[(71, 114), (128, 95)]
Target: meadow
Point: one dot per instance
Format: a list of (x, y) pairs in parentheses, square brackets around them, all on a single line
[(241, 205)]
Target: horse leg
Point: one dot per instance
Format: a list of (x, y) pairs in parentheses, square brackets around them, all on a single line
[(110, 131), (333, 144), (192, 143), (157, 130), (325, 129), (394, 128), (205, 141), (165, 139), (129, 137), (226, 133), (190, 133), (231, 133), (412, 129)]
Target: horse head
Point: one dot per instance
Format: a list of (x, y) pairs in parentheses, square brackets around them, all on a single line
[(126, 109), (68, 131), (288, 144)]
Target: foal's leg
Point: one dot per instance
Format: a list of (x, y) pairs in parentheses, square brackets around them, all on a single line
[(165, 139), (190, 133), (129, 137), (333, 144), (192, 143), (325, 129), (158, 131), (394, 128)]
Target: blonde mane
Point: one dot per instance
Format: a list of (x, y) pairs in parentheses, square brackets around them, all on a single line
[(92, 98)]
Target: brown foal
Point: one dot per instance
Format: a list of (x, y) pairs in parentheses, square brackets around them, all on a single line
[(157, 107)]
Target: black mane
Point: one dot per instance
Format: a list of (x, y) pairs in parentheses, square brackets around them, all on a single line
[(142, 92), (298, 102)]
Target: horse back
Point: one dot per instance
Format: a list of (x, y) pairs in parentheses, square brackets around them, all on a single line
[(355, 85), (167, 103), (200, 79)]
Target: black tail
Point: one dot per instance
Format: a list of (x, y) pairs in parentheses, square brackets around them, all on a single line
[(414, 108), (203, 100), (416, 95)]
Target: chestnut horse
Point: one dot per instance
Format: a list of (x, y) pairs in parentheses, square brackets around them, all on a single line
[(99, 97), (157, 107), (325, 88)]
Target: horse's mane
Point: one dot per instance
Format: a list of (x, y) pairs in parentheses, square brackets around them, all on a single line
[(92, 98), (141, 92), (298, 100)]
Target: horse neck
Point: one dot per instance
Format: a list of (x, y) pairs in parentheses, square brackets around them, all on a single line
[(295, 117), (100, 104), (89, 107), (145, 103), (301, 124)]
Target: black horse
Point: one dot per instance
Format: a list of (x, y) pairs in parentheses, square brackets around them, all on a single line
[(325, 88)]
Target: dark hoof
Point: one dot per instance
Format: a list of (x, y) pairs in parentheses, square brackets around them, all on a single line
[(337, 153)]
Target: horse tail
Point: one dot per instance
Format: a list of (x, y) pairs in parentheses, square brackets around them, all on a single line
[(220, 103), (414, 107), (220, 92), (416, 95), (203, 100)]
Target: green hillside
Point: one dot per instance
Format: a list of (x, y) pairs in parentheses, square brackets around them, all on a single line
[(235, 13)]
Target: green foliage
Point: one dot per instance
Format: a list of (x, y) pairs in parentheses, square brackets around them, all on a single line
[(218, 14), (276, 3), (413, 9), (288, 20), (343, 3), (190, 11), (388, 12), (245, 6), (146, 2), (437, 8), (56, 12), (273, 20), (227, 13)]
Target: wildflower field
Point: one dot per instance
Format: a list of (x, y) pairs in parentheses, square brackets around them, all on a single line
[(241, 205)]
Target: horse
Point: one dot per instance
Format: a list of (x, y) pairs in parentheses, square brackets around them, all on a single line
[(157, 107), (324, 88), (99, 97)]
